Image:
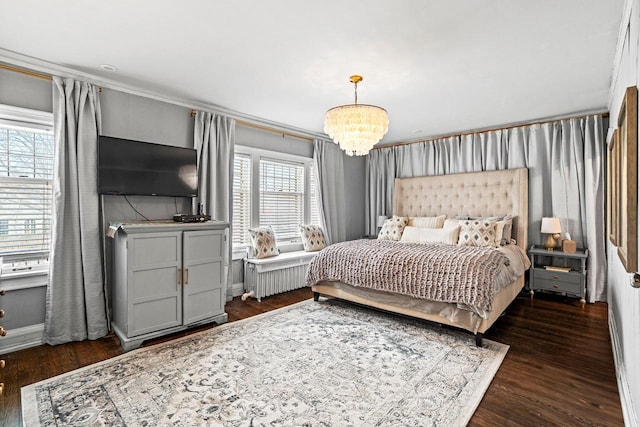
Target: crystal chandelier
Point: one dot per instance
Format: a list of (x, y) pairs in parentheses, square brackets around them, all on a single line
[(356, 128)]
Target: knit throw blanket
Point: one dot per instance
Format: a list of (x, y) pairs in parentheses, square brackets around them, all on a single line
[(445, 273)]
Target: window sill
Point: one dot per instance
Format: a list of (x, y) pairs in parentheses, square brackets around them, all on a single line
[(16, 282)]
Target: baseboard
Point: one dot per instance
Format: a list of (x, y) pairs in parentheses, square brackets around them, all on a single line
[(21, 338), (237, 289), (628, 410)]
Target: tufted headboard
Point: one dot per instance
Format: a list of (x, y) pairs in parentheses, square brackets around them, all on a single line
[(492, 193)]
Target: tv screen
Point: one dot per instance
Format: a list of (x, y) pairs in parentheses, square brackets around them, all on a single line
[(141, 168)]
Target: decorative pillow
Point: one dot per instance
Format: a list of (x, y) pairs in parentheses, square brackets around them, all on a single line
[(312, 238), (508, 229), (427, 221), (503, 234), (393, 227), (263, 240), (448, 236), (477, 232)]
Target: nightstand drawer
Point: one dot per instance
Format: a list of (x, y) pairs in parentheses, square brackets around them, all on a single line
[(558, 286), (568, 277)]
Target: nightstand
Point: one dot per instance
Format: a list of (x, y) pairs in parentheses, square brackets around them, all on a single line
[(558, 271)]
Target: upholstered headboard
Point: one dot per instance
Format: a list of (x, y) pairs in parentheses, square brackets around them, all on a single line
[(476, 194)]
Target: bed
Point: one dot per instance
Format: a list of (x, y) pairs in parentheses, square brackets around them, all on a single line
[(478, 194)]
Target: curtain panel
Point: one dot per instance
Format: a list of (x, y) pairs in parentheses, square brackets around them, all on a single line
[(565, 159), (75, 303), (214, 140), (328, 161)]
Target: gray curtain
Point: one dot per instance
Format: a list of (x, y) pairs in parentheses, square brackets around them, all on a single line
[(214, 139), (75, 304), (328, 161), (566, 177)]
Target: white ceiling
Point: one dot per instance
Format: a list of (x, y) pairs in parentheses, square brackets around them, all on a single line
[(438, 67)]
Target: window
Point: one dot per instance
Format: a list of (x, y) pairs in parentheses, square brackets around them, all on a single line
[(241, 199), (26, 173), (282, 198), (272, 189)]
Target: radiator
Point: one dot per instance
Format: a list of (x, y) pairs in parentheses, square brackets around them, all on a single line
[(270, 276)]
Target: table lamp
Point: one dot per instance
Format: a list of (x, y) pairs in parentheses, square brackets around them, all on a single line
[(551, 226)]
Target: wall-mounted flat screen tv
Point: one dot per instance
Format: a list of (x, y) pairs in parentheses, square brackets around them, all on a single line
[(140, 168)]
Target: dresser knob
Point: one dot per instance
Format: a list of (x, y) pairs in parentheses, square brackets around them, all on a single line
[(1, 388), (3, 292), (555, 277), (2, 363), (1, 313), (555, 286), (3, 332)]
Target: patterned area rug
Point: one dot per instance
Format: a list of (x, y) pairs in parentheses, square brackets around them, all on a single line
[(311, 364)]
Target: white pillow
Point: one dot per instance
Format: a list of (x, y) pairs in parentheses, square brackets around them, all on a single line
[(451, 223), (427, 221), (499, 231), (430, 235)]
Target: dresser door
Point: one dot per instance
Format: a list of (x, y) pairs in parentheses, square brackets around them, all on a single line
[(203, 261), (154, 282)]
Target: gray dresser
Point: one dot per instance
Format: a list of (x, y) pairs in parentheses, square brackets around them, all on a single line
[(168, 276)]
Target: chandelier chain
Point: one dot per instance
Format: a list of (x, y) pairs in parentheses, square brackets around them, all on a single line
[(356, 92)]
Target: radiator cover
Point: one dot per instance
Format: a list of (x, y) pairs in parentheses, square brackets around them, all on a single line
[(282, 273)]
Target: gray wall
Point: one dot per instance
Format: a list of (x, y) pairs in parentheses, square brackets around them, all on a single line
[(25, 91), (138, 118), (354, 179), (143, 119), (24, 307), (624, 300)]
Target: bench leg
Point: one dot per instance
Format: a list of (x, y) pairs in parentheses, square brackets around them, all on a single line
[(479, 339), (316, 296)]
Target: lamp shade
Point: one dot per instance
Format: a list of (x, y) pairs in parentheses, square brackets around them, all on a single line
[(551, 226)]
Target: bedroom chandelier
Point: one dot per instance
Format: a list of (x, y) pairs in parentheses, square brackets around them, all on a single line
[(356, 128)]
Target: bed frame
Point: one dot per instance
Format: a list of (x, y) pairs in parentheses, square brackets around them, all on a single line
[(476, 194)]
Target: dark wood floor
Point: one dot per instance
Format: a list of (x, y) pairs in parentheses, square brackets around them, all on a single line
[(558, 371)]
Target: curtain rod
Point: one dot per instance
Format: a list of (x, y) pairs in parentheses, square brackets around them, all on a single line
[(27, 72), (268, 129), (265, 128), (473, 132), (32, 73)]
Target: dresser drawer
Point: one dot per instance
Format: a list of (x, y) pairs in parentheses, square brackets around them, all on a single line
[(569, 277)]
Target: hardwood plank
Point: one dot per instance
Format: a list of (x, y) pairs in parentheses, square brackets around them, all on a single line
[(558, 371)]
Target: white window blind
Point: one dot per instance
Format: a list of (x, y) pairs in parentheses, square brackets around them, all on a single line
[(314, 215), (26, 173), (281, 198), (241, 199)]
